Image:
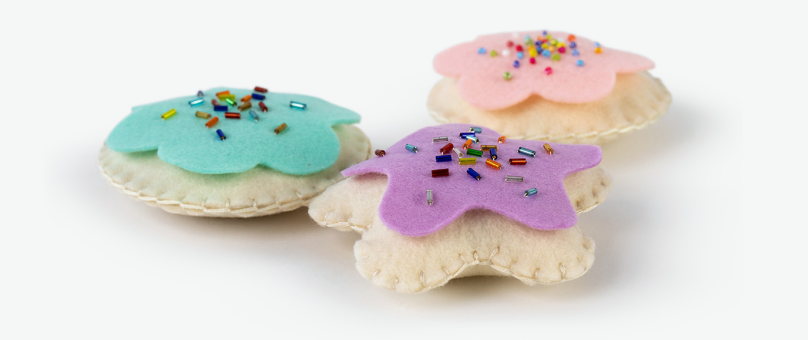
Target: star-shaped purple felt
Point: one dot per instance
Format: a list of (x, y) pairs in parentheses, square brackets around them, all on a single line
[(404, 205)]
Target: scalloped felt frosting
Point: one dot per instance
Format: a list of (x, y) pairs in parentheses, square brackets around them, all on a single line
[(308, 145), (481, 81), (404, 208)]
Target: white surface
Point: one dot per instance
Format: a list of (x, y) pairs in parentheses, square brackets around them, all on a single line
[(80, 260)]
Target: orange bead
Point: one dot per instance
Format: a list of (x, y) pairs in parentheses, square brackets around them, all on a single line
[(467, 144), (598, 50), (493, 164), (212, 122), (223, 92), (548, 148), (501, 139), (246, 98), (571, 37)]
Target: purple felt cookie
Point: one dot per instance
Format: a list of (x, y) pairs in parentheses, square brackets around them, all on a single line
[(404, 206)]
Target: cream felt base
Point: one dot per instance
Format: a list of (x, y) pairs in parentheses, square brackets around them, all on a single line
[(480, 242), (257, 192), (637, 100)]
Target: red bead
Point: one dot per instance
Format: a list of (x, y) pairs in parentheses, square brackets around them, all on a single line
[(214, 102), (548, 70), (510, 43), (232, 115), (263, 107), (532, 60), (562, 50), (518, 48), (260, 89)]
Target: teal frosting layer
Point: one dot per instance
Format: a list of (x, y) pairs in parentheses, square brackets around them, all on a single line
[(306, 146)]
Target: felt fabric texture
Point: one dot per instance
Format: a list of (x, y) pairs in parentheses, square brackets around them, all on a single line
[(480, 242), (480, 76), (308, 145), (404, 207), (638, 99), (256, 192)]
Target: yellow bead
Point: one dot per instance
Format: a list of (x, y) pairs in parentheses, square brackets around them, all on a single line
[(561, 44), (553, 42), (550, 48), (549, 37), (544, 46), (532, 52), (598, 50)]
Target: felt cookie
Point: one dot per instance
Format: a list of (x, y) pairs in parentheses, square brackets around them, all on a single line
[(445, 202), (550, 86), (232, 153)]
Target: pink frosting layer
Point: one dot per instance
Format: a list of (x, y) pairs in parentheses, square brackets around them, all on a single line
[(481, 80)]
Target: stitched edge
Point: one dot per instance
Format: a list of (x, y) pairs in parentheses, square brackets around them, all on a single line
[(270, 209)]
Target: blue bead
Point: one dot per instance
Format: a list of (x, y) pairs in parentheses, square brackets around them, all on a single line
[(475, 129), (527, 152), (473, 174), (200, 94), (516, 63), (573, 44), (253, 115), (538, 44), (520, 55), (481, 50), (443, 158), (575, 52), (597, 44), (196, 102), (220, 108), (411, 148), (466, 134), (493, 153), (473, 139), (221, 134), (297, 105), (545, 53), (531, 192), (579, 62), (258, 96), (544, 33)]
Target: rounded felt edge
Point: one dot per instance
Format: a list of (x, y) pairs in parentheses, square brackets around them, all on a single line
[(590, 137), (191, 209), (584, 195)]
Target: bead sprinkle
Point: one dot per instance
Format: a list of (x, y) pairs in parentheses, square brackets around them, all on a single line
[(280, 128), (548, 70), (575, 52), (440, 139), (232, 115), (230, 101), (579, 62), (244, 106), (459, 154), (296, 105), (260, 89), (221, 134), (246, 98), (411, 148), (598, 50), (443, 158), (222, 93), (556, 57), (493, 53), (493, 153), (253, 115), (501, 139), (200, 94), (520, 55), (527, 152), (257, 96), (467, 144), (487, 147), (473, 139), (446, 149), (380, 152), (476, 130), (473, 174), (168, 114), (201, 114), (493, 164), (225, 96), (531, 192), (467, 161), (212, 122), (263, 106), (507, 76), (548, 148), (474, 152), (532, 60), (517, 161), (514, 179), (440, 172), (516, 63), (481, 50), (429, 200), (196, 102)]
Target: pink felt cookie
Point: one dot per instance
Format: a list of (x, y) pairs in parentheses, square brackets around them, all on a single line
[(500, 70)]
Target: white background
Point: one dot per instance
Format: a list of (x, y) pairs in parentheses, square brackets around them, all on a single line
[(698, 238)]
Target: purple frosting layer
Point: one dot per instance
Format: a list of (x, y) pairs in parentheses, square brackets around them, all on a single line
[(404, 206)]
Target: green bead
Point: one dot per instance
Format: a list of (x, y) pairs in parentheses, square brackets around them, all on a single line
[(493, 53), (507, 76), (473, 152), (556, 57), (230, 101)]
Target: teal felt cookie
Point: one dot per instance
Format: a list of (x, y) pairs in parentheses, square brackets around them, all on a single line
[(240, 153)]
